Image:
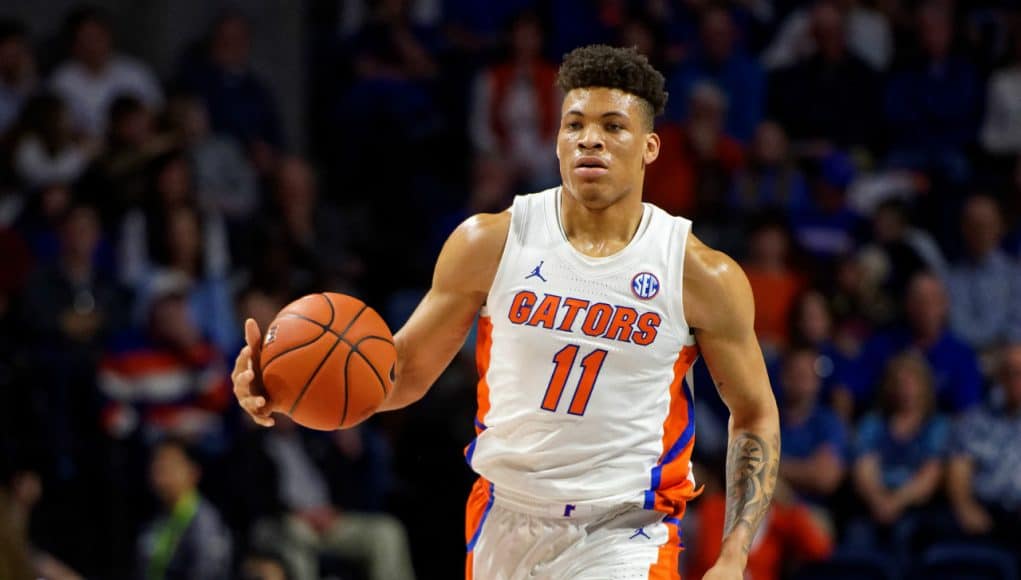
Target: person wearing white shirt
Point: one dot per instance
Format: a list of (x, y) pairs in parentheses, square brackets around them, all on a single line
[(95, 74), (1001, 130)]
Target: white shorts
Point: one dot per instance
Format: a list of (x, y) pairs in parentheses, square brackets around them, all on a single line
[(511, 540)]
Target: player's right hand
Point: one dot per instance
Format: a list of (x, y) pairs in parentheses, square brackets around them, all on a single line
[(247, 380)]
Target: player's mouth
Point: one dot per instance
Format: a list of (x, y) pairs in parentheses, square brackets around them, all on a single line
[(591, 166)]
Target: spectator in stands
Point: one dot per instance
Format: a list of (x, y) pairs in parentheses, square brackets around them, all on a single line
[(70, 309), (297, 484), (305, 241), (814, 438), (188, 540), (956, 376), (775, 283), (895, 254), (811, 325), (42, 146), (832, 75), (95, 74), (225, 181), (116, 180), (932, 105), (899, 453), (985, 285), (867, 31), (983, 483), (790, 535), (17, 71), (772, 179), (697, 160), (719, 59), (826, 227), (516, 108), (240, 104), (166, 380), (1001, 130)]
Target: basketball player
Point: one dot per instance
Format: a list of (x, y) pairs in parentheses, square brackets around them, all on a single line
[(592, 308)]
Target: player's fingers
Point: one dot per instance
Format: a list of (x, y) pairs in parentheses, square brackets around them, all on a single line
[(253, 336), (241, 362), (243, 383)]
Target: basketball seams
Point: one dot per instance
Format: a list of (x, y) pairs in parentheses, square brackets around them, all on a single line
[(308, 382), (292, 348), (333, 311)]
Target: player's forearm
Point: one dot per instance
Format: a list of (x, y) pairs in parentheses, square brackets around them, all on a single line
[(753, 459)]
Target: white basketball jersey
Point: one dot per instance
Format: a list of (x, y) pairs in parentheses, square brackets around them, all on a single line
[(582, 398)]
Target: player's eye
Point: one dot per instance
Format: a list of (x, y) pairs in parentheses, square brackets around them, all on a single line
[(573, 125), (614, 127)]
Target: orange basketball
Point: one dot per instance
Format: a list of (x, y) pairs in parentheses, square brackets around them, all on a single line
[(327, 361)]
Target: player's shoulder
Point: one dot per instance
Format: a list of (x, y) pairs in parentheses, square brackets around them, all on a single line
[(484, 229), (714, 284)]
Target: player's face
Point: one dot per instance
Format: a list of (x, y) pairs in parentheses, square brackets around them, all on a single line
[(604, 145)]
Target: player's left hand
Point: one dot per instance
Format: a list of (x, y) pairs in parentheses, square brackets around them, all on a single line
[(724, 570)]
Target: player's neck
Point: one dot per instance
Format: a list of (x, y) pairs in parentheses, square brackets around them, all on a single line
[(600, 232)]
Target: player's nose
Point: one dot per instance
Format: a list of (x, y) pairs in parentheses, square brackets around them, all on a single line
[(591, 138)]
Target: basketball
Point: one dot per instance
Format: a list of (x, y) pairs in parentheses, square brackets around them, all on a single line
[(327, 361)]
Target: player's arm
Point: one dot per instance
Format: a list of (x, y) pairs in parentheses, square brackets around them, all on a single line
[(437, 329), (718, 306), (431, 337)]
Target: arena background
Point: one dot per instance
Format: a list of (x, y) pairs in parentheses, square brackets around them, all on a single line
[(170, 168)]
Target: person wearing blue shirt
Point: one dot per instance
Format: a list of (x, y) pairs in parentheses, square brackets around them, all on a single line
[(814, 439), (898, 454), (956, 376)]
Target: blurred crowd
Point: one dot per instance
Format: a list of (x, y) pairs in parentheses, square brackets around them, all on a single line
[(861, 158)]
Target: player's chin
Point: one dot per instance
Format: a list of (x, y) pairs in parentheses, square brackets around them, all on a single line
[(595, 195)]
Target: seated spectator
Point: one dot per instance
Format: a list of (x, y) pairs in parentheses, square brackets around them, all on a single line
[(932, 106), (814, 439), (771, 180), (899, 453), (166, 380), (1001, 129), (304, 481), (116, 180), (775, 284), (893, 256), (956, 376), (719, 59), (95, 74), (70, 309), (240, 104), (697, 160), (17, 71), (305, 242), (867, 30), (985, 460), (834, 76), (790, 535), (188, 540), (42, 146), (985, 284), (811, 326), (516, 108), (826, 227), (225, 181)]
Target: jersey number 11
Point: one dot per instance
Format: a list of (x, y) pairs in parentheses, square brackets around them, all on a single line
[(563, 364)]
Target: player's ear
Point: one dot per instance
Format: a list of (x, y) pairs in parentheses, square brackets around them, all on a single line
[(652, 144)]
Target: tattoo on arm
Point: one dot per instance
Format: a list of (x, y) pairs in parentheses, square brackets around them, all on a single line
[(752, 466)]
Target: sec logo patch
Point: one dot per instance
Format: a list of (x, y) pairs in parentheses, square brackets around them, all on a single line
[(645, 285)]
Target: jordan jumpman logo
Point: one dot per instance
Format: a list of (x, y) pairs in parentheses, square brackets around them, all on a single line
[(536, 273)]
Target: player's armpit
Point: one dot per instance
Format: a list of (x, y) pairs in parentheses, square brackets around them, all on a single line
[(436, 330), (718, 305)]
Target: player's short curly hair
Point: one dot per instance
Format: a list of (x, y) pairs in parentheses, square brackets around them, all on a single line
[(599, 65)]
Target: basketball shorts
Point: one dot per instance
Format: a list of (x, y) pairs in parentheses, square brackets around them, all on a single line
[(511, 539)]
